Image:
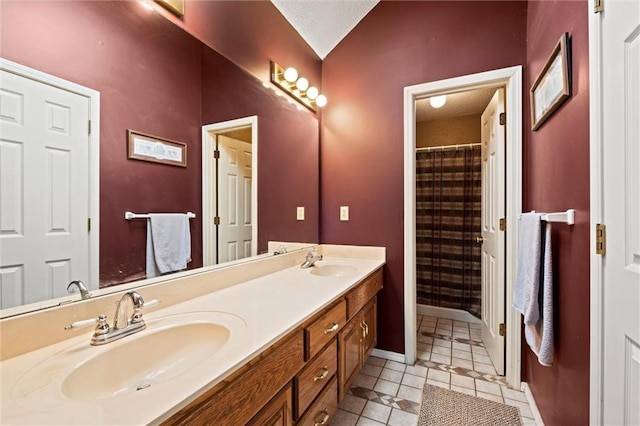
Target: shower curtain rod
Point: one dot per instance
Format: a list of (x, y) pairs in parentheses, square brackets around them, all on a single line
[(443, 147)]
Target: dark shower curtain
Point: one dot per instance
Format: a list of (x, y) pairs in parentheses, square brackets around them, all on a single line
[(448, 219)]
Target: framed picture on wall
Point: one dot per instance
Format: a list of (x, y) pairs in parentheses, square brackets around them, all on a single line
[(553, 85), (155, 149)]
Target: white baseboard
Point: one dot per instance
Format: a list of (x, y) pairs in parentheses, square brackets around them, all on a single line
[(454, 314), (392, 356), (532, 404)]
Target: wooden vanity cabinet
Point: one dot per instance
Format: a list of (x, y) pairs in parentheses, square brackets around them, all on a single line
[(301, 378)]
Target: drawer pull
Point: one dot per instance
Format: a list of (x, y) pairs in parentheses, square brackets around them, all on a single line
[(322, 375), (366, 328), (331, 329), (322, 420)]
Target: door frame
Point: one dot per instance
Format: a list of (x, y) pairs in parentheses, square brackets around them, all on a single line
[(93, 97), (511, 79), (596, 181), (208, 170)]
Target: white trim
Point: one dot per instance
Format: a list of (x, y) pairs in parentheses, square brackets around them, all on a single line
[(511, 78), (596, 295), (532, 404), (454, 314), (207, 177), (94, 154), (391, 356)]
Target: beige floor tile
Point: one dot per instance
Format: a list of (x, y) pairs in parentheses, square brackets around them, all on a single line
[(441, 343), (394, 365), (484, 368), (394, 376), (488, 387), (424, 355), (438, 383), (424, 346), (439, 375), (525, 410), (425, 339), (353, 404), (374, 360), (402, 418), (416, 370), (463, 390), (457, 353), (386, 387), (364, 381), (363, 421), (371, 370), (377, 412), (461, 347), (464, 363), (463, 381), (413, 381), (443, 332), (490, 396), (410, 394), (514, 394), (481, 358), (441, 350), (442, 359), (343, 418)]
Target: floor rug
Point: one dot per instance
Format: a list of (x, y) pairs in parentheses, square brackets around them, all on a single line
[(443, 407)]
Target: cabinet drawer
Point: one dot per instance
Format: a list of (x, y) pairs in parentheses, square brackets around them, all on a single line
[(360, 295), (324, 407), (314, 376), (321, 330), (277, 412)]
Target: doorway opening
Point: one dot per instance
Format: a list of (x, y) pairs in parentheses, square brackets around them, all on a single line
[(229, 190), (510, 79)]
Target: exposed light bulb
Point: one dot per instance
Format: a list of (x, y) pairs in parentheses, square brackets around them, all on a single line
[(291, 74), (146, 4), (302, 84), (312, 93), (438, 101), (321, 100)]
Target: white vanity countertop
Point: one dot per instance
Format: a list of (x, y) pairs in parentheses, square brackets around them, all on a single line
[(267, 308)]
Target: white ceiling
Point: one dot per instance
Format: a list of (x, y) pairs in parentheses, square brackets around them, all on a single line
[(323, 23), (458, 105)]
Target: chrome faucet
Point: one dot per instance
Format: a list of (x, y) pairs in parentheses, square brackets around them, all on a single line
[(84, 293), (312, 258), (104, 333)]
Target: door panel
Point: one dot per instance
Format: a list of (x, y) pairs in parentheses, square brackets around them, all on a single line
[(43, 138), (493, 245), (621, 212)]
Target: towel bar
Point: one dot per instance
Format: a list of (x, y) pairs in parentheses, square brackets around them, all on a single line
[(567, 217), (131, 215)]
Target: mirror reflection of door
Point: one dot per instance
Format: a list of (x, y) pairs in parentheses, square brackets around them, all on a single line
[(44, 138), (233, 194)]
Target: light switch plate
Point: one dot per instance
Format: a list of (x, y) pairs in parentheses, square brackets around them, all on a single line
[(300, 213), (344, 213)]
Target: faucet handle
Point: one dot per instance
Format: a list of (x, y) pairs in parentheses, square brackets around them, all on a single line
[(101, 322)]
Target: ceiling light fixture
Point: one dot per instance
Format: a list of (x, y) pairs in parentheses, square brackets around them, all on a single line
[(438, 101), (297, 87)]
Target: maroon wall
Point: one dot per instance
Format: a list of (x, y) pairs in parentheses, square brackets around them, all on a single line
[(250, 34), (556, 162), (396, 45), (151, 78)]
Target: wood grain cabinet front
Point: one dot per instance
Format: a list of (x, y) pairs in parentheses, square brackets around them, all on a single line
[(323, 408), (278, 412), (322, 329), (313, 378)]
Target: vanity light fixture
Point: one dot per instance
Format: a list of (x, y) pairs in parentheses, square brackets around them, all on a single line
[(438, 101), (297, 87)]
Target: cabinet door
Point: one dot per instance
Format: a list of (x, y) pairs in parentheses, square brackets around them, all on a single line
[(350, 341), (370, 324), (277, 412)]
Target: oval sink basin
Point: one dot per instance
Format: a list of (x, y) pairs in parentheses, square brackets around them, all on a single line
[(333, 270), (171, 348), (139, 363)]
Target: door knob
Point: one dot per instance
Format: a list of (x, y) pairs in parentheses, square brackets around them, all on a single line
[(479, 240)]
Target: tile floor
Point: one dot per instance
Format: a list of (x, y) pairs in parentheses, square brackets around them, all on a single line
[(450, 355)]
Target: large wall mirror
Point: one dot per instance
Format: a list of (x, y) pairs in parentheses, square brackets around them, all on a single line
[(154, 78)]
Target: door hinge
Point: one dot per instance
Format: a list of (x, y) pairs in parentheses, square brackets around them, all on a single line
[(601, 239), (503, 224), (89, 225), (216, 220), (503, 118), (503, 329), (89, 126), (216, 154), (598, 6)]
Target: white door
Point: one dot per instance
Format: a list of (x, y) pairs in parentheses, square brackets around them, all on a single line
[(493, 243), (44, 190), (621, 212), (234, 198)]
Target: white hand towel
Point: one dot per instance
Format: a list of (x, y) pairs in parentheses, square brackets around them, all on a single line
[(539, 336), (525, 294), (168, 243)]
